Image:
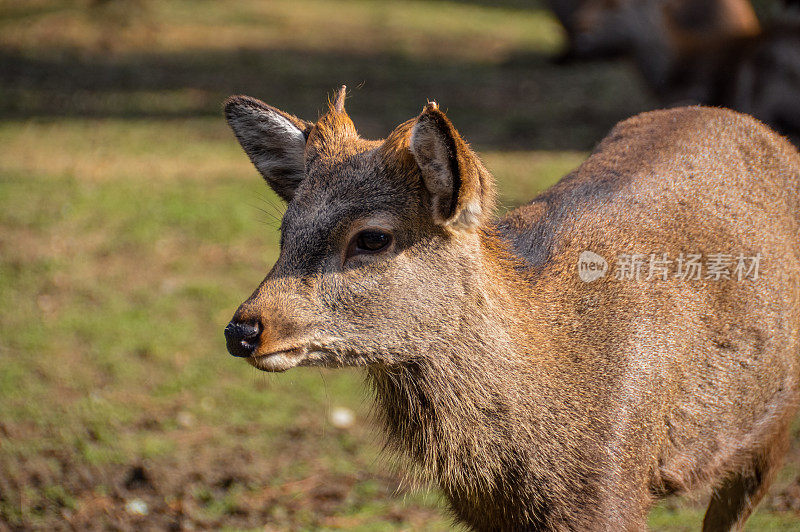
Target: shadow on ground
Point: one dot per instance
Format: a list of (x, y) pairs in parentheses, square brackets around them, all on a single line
[(525, 102)]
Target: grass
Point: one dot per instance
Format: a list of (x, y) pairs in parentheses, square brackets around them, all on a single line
[(132, 225), (120, 266)]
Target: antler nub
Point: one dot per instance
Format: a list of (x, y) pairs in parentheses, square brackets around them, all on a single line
[(338, 103)]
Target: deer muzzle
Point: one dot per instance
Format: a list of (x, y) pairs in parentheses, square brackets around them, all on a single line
[(242, 338)]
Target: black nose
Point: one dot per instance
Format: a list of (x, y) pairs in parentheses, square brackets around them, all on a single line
[(242, 338)]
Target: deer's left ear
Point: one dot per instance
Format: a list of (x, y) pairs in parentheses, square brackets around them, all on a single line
[(460, 188)]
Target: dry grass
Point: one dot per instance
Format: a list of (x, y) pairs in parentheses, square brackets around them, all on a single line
[(415, 28)]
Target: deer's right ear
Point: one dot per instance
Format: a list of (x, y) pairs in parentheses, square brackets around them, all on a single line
[(275, 141)]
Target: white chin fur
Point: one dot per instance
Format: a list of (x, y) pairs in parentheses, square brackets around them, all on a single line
[(275, 362)]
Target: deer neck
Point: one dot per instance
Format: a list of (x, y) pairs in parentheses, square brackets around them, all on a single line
[(455, 409)]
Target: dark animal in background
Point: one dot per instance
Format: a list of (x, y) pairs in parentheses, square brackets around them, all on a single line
[(758, 75), (533, 399), (701, 52), (598, 29)]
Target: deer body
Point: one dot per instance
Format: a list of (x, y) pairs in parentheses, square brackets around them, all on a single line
[(534, 400)]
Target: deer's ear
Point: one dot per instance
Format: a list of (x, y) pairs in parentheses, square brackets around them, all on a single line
[(460, 188), (275, 141)]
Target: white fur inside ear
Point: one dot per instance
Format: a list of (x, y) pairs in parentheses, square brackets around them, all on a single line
[(283, 126), (274, 144), (469, 217), (278, 151)]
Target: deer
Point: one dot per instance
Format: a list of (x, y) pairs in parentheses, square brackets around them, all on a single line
[(757, 75), (602, 29), (534, 399), (710, 53)]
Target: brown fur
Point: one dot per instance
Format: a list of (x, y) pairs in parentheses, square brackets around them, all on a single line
[(536, 401)]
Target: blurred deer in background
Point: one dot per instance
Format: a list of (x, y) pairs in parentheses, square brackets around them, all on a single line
[(758, 75), (609, 28), (707, 52), (535, 400)]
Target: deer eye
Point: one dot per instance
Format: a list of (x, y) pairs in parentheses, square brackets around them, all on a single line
[(369, 241)]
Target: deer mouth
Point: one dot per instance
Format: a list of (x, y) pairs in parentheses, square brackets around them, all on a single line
[(278, 361), (311, 355)]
